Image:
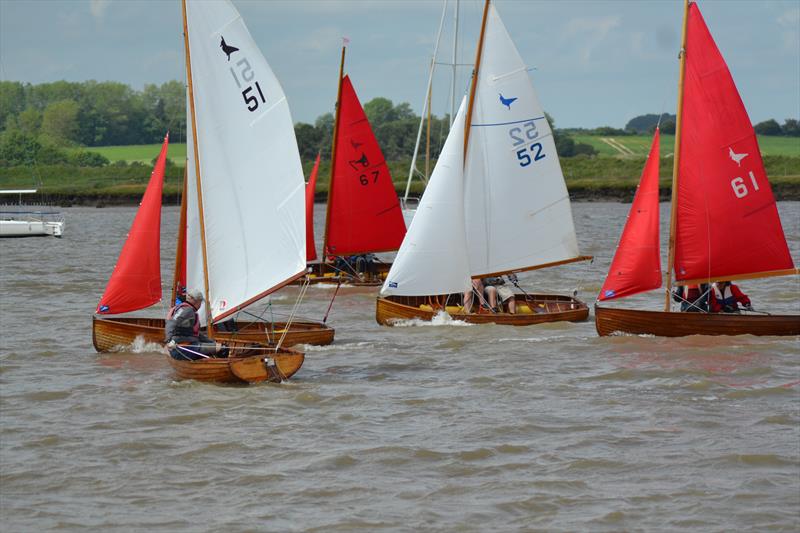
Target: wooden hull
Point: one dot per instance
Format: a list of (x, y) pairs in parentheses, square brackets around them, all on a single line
[(244, 365), (610, 320), (317, 275), (109, 333), (535, 309)]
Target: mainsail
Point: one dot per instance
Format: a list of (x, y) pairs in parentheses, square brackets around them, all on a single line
[(517, 206), (245, 210), (636, 266), (311, 246), (135, 282), (365, 214), (727, 221), (433, 256)]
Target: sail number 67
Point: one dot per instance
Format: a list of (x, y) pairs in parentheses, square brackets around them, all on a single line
[(740, 188)]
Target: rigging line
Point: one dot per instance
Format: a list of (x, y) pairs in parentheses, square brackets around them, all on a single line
[(294, 312), (338, 284)]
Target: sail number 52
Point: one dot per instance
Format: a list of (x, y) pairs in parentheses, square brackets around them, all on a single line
[(522, 135), (740, 188)]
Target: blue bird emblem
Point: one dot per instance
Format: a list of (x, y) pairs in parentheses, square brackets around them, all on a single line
[(507, 101)]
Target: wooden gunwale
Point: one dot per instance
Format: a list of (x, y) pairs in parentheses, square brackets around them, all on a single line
[(610, 320), (109, 333), (285, 363), (559, 308)]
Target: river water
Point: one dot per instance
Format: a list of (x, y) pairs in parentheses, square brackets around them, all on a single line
[(439, 427)]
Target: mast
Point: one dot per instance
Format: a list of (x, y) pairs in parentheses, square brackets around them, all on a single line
[(197, 169), (475, 79), (425, 103), (455, 63), (428, 140), (676, 161), (180, 248), (333, 159)]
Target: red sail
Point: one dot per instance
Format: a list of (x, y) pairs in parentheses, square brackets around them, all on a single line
[(727, 221), (311, 246), (637, 264), (136, 280), (179, 277), (365, 212)]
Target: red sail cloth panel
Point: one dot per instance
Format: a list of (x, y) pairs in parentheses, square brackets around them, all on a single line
[(136, 280), (636, 266), (365, 211), (311, 186), (727, 219)]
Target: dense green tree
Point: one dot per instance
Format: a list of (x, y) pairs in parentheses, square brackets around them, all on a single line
[(17, 148), (60, 122), (12, 101), (768, 127), (791, 128)]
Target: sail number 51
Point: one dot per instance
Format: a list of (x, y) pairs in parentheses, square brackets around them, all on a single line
[(246, 72), (740, 188), (521, 135)]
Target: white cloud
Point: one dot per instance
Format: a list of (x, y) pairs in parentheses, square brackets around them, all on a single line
[(790, 24), (589, 33), (98, 8)]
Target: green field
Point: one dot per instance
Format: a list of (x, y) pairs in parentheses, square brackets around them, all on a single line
[(143, 153), (639, 145), (635, 146)]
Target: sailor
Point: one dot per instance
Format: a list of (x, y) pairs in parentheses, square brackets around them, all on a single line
[(496, 289), (693, 298), (182, 330), (725, 297)]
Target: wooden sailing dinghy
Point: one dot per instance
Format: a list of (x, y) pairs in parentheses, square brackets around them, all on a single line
[(136, 284), (364, 215), (724, 221), (495, 204), (136, 280)]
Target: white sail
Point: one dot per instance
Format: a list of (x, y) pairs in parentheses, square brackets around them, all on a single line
[(249, 166), (518, 213), (433, 256)]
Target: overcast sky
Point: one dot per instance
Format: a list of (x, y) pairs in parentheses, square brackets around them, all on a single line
[(593, 62)]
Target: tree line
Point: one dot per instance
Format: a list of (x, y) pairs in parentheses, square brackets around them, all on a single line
[(44, 123)]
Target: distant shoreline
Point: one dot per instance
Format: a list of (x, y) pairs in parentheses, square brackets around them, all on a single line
[(782, 191)]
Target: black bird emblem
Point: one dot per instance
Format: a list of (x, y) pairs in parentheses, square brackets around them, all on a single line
[(364, 162), (228, 49), (355, 144)]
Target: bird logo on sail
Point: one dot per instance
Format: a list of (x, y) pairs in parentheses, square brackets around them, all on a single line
[(228, 49), (736, 158), (355, 144), (363, 162), (507, 101)]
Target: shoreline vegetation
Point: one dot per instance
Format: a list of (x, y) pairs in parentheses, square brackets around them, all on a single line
[(589, 178)]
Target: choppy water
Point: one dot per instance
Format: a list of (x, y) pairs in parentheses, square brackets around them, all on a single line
[(416, 428)]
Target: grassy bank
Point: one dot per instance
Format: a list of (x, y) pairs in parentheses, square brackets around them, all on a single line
[(588, 178)]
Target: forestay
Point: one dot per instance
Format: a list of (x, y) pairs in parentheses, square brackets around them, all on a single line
[(518, 214), (249, 173), (433, 256)]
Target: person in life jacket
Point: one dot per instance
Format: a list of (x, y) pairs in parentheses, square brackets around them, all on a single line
[(693, 298), (725, 297), (182, 332)]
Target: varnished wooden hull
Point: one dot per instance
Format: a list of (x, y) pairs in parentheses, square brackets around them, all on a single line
[(542, 308), (317, 275), (109, 333), (609, 320), (244, 365)]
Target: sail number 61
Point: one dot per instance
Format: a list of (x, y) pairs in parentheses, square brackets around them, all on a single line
[(740, 188)]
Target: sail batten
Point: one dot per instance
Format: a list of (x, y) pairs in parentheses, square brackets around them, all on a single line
[(365, 214), (252, 180), (518, 215), (727, 222)]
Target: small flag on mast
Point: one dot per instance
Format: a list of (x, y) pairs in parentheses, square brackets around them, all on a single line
[(345, 41)]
